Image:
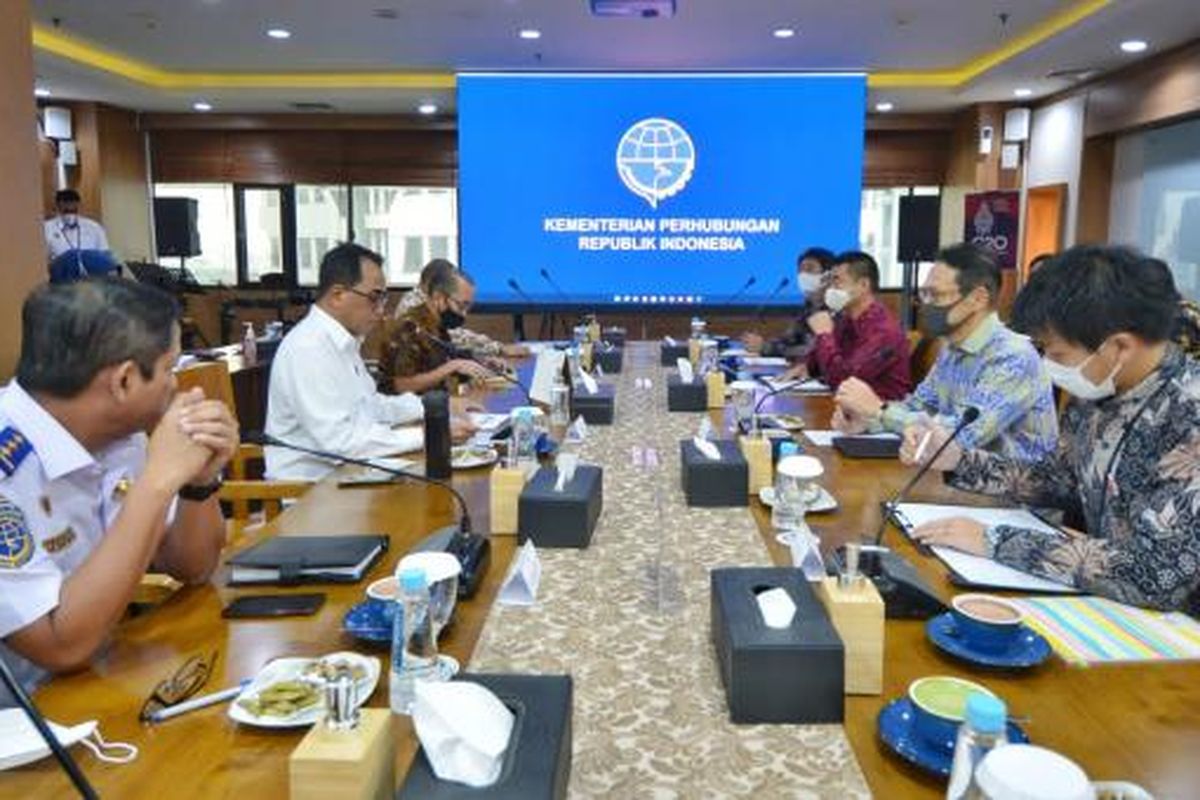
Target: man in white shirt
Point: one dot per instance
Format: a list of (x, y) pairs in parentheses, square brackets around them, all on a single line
[(68, 231), (322, 396), (87, 502)]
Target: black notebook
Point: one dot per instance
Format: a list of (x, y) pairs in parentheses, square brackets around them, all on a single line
[(867, 447), (308, 559)]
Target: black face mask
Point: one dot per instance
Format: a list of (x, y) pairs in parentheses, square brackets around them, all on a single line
[(935, 320), (451, 319)]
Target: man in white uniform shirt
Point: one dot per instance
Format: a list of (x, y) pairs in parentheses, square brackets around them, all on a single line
[(322, 397), (87, 502), (67, 231)]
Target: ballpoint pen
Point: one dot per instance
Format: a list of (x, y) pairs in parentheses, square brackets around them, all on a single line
[(203, 701)]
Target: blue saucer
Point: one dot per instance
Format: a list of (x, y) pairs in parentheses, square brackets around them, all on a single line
[(895, 730), (369, 621), (1029, 649)]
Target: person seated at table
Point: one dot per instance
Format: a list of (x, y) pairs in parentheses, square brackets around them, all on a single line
[(321, 395), (983, 364), (1128, 460), (88, 501), (479, 345), (812, 276), (419, 354), (864, 341)]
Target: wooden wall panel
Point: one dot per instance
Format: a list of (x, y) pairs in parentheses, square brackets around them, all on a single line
[(1095, 190), (1157, 92), (24, 262), (124, 200), (906, 158)]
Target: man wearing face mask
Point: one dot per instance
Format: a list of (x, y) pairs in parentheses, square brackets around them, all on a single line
[(1128, 462), (419, 355), (864, 340), (983, 364), (67, 230), (812, 276)]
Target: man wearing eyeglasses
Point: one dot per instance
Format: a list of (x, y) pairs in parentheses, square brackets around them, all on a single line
[(983, 364), (419, 355), (321, 395)]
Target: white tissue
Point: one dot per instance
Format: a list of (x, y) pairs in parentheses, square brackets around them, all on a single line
[(670, 342), (436, 566), (464, 729), (777, 608), (706, 447), (589, 383), (565, 463), (686, 373)]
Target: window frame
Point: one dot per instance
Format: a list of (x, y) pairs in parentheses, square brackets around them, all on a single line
[(287, 232)]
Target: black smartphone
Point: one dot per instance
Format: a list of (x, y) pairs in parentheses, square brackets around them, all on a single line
[(274, 605)]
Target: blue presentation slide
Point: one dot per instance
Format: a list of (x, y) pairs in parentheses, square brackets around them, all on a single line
[(652, 190)]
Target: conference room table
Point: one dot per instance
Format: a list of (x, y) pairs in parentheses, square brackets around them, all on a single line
[(1133, 722)]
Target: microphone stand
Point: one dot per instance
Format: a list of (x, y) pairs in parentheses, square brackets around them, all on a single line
[(554, 284), (454, 352), (758, 312), (60, 753), (905, 595), (473, 550), (745, 286), (519, 318)]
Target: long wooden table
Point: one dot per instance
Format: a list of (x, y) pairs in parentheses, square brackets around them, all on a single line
[(1140, 723)]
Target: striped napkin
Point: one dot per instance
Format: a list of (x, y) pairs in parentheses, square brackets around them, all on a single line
[(1093, 630)]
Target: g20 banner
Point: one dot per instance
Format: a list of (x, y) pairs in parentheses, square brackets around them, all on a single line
[(992, 221)]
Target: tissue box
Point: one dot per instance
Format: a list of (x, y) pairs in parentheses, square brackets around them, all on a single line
[(714, 483), (614, 335), (609, 360), (686, 396), (793, 674), (596, 409), (671, 353), (560, 519), (537, 763)]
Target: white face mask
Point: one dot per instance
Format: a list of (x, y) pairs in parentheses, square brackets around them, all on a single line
[(70, 220), (1072, 380), (836, 298), (809, 282)]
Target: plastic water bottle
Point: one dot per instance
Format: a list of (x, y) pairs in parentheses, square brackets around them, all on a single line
[(983, 730), (249, 345), (524, 438), (785, 515), (414, 649)]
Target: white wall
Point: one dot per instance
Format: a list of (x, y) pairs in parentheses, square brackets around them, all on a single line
[(1056, 154), (1156, 198)]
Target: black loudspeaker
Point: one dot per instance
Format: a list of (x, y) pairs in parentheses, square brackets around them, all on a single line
[(920, 218), (175, 226)]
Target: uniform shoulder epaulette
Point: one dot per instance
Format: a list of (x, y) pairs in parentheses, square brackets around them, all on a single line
[(14, 448)]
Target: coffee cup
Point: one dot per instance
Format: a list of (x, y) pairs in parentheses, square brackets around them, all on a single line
[(939, 706), (986, 623)]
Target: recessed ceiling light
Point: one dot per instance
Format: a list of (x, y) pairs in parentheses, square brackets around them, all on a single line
[(427, 108), (884, 107), (1023, 92), (279, 33), (200, 105), (40, 92), (530, 33), (784, 33), (1134, 45)]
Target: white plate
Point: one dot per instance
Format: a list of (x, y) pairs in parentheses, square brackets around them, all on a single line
[(286, 669), (462, 458), (826, 502)]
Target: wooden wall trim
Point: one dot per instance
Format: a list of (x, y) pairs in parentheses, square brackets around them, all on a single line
[(293, 122)]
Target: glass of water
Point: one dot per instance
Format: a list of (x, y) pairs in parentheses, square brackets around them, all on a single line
[(742, 394)]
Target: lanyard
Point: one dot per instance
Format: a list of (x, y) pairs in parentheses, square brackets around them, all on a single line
[(1129, 426)]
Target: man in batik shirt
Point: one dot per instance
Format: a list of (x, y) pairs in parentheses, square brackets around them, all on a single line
[(1128, 458)]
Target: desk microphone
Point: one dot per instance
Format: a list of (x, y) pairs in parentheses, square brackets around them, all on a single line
[(745, 287), (457, 352), (516, 287), (39, 722), (546, 275), (783, 284), (904, 593), (471, 549)]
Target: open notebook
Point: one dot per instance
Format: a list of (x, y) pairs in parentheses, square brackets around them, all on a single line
[(977, 571)]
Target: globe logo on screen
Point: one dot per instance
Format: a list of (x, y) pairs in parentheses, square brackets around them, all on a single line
[(655, 159)]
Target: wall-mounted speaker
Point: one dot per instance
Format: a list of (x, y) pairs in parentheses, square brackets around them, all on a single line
[(920, 222), (175, 226)]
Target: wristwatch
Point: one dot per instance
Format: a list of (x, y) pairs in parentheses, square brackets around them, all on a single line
[(198, 494)]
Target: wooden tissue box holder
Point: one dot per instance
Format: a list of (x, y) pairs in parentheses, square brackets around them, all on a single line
[(857, 613)]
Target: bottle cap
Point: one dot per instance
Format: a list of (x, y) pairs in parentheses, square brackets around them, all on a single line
[(986, 713), (788, 449), (412, 579)]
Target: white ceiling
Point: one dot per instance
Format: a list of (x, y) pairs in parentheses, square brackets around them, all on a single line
[(449, 35)]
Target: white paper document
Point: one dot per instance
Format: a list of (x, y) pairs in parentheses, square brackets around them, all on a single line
[(549, 364), (764, 361), (521, 585), (978, 570), (825, 438), (809, 386), (488, 422)]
